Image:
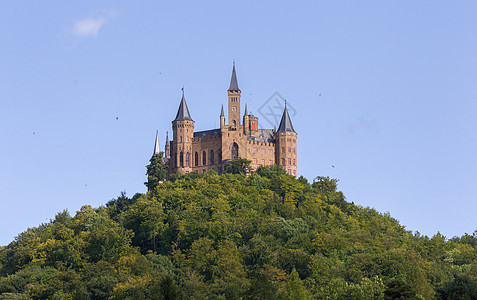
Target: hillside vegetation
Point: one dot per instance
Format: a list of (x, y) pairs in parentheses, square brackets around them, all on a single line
[(266, 236)]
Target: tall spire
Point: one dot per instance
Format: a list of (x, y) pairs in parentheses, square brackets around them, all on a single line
[(245, 114), (233, 81), (183, 112), (285, 123), (222, 111), (157, 150)]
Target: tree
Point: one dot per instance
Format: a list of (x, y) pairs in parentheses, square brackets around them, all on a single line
[(398, 288), (156, 171), (237, 166), (295, 289), (463, 287)]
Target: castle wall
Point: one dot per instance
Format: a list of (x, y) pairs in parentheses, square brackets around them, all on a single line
[(260, 154), (210, 145)]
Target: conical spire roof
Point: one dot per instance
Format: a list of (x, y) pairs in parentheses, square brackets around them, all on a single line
[(233, 81), (285, 123), (222, 111), (183, 112), (246, 113), (157, 149)]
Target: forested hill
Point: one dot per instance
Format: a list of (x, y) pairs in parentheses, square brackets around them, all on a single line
[(266, 236)]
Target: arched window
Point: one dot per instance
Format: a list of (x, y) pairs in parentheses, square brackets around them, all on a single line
[(187, 159), (196, 159), (211, 158), (235, 149), (181, 158), (204, 158), (219, 154)]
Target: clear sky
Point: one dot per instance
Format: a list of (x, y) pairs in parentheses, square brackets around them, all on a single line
[(384, 91)]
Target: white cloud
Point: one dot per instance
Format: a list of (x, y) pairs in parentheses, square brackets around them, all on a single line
[(88, 27)]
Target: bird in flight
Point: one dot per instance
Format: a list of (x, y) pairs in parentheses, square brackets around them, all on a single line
[(332, 166), (117, 118)]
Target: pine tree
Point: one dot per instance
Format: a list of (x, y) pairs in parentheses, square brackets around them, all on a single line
[(156, 171)]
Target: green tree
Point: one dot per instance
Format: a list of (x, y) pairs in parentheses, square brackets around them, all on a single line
[(156, 171), (295, 289), (237, 166)]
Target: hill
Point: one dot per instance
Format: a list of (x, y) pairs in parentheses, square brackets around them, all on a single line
[(266, 236)]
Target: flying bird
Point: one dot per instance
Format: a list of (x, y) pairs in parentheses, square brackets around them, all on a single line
[(332, 166), (117, 118)]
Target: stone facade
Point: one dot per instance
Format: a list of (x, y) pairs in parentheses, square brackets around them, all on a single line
[(237, 137)]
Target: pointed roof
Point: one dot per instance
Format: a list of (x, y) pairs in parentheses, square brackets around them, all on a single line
[(167, 137), (285, 123), (157, 150), (222, 111), (233, 81), (245, 114), (183, 112)]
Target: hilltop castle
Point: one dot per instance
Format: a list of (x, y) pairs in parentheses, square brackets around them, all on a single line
[(239, 137)]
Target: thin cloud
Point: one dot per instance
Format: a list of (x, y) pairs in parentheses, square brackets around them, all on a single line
[(88, 27)]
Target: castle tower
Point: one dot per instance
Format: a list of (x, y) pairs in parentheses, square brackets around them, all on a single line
[(250, 124), (234, 102), (157, 149), (222, 118), (167, 148), (183, 133), (246, 122), (286, 141)]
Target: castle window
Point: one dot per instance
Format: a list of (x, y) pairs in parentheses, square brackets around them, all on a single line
[(289, 171), (270, 152), (233, 108), (294, 162), (204, 158), (294, 172), (289, 161), (289, 150), (254, 161), (211, 157), (262, 162), (196, 159), (283, 161), (254, 150), (187, 139), (294, 150), (262, 151), (235, 151), (181, 158), (283, 149), (270, 162), (180, 139), (187, 159)]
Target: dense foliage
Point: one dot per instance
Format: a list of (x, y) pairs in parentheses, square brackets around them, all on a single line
[(265, 236), (156, 171)]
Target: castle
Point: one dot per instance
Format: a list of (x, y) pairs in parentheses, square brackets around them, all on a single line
[(239, 137)]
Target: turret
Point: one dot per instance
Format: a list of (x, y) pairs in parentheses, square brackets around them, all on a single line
[(157, 149), (167, 148), (183, 133), (234, 102), (286, 142), (222, 118)]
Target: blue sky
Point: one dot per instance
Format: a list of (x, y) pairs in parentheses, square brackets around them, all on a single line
[(396, 116)]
